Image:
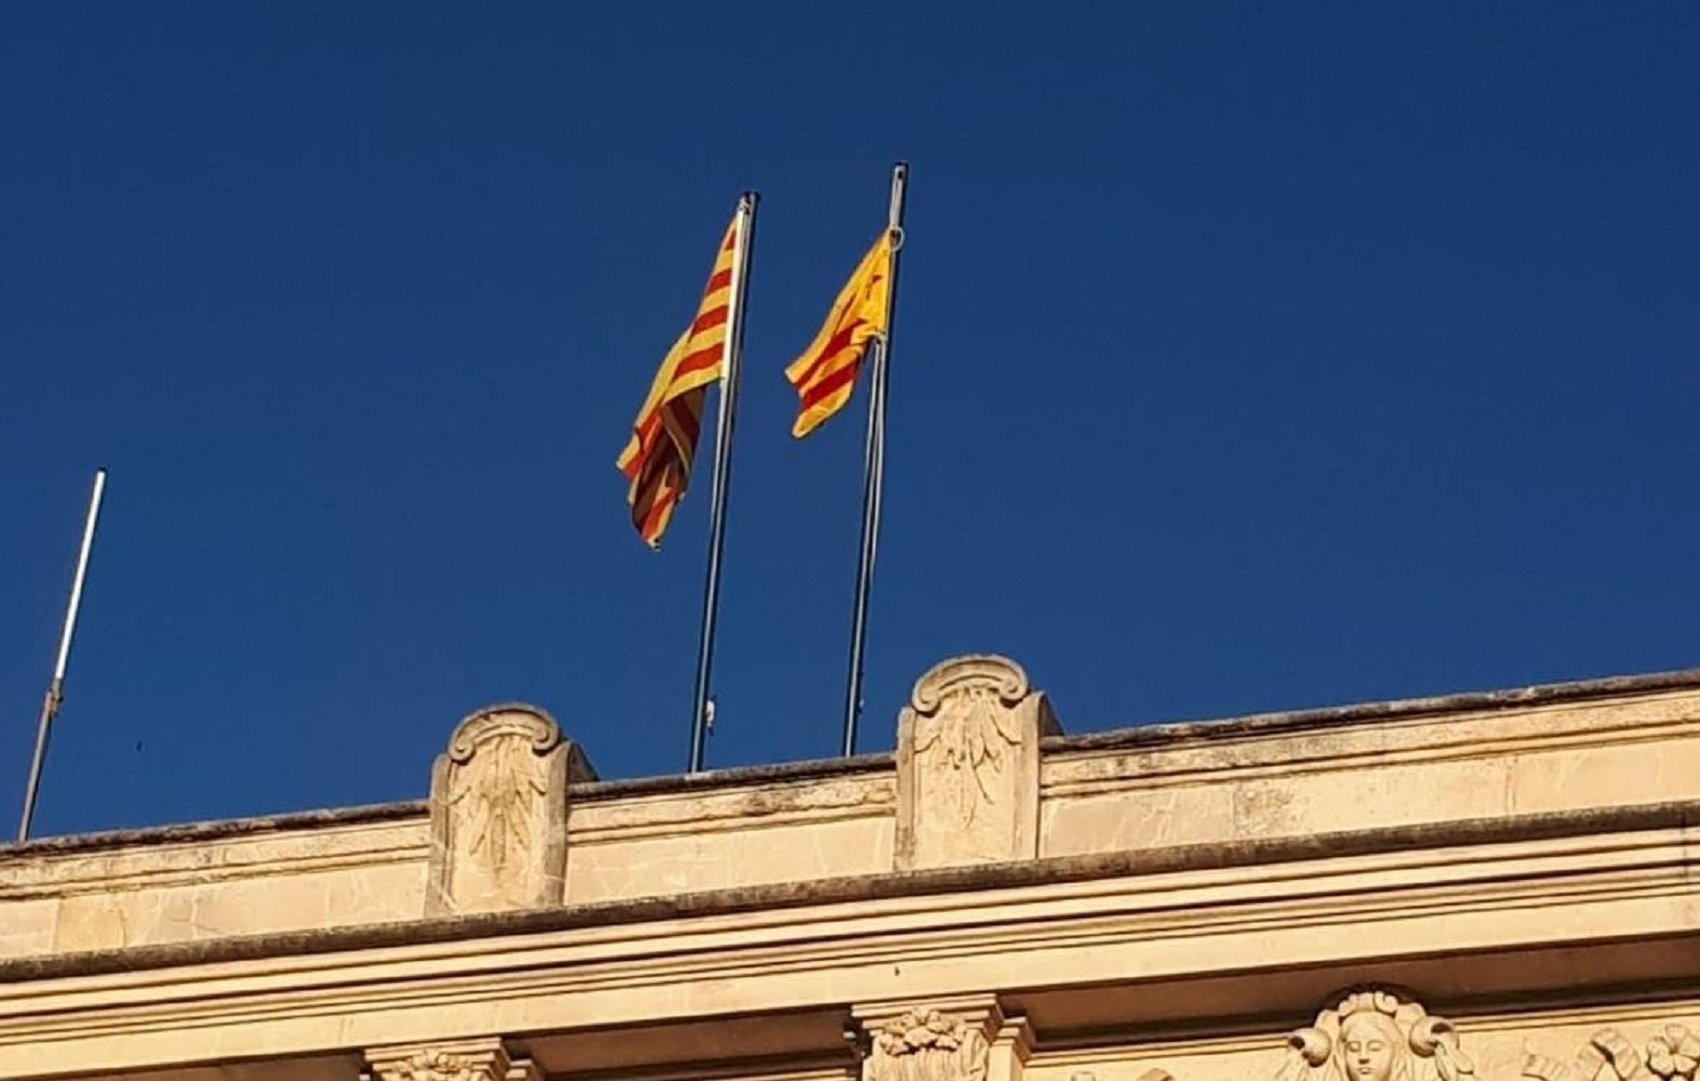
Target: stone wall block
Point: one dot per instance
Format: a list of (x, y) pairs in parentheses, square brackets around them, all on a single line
[(499, 813), (968, 765)]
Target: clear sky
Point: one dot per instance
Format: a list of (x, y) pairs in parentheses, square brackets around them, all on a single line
[(1248, 357)]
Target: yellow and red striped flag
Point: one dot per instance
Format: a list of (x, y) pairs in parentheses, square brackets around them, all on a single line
[(826, 372), (657, 459)]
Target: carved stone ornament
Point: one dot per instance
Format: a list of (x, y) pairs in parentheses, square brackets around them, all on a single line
[(1674, 1053), (1376, 1034), (968, 764), (499, 812), (470, 1060), (435, 1066), (927, 1045), (1670, 1054)]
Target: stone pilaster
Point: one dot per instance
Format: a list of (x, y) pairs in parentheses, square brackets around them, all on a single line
[(958, 1039), (486, 1059), (499, 813), (968, 765)]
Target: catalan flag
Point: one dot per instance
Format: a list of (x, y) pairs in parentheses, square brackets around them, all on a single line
[(826, 372), (657, 459)]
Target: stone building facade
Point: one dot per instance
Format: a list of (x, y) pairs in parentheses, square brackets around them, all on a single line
[(1488, 887)]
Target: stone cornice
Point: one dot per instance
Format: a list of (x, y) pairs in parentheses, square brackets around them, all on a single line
[(203, 832), (1306, 720), (1581, 826), (1624, 877)]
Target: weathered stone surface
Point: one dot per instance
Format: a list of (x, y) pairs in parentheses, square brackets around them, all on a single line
[(968, 765), (499, 813), (1481, 888), (1315, 773)]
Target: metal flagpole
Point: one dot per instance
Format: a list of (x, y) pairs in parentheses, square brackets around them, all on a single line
[(873, 481), (702, 715), (56, 688)]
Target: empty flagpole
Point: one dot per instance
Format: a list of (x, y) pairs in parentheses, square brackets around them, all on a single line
[(56, 688), (702, 714), (873, 467)]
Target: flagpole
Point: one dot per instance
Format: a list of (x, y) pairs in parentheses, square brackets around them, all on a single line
[(873, 467), (702, 714), (56, 688)]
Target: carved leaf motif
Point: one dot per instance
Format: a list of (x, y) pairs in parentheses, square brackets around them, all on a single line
[(501, 804), (969, 734), (434, 1066), (925, 1045)]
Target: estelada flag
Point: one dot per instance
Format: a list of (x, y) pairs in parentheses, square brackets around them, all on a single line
[(657, 459), (826, 372)]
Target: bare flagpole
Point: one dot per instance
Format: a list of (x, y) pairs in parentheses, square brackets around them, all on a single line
[(702, 715), (873, 472), (56, 688)]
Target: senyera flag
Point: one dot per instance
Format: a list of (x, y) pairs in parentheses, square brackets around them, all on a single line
[(826, 372), (657, 459)]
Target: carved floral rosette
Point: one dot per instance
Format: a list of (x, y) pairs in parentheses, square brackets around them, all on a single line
[(1671, 1054), (1376, 1034), (926, 1045)]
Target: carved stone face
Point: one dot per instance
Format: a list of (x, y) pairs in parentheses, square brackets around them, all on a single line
[(1369, 1047)]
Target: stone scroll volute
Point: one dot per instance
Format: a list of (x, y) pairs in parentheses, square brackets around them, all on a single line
[(968, 765), (1376, 1034), (499, 812)]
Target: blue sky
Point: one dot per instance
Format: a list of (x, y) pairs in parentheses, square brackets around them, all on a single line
[(1248, 357)]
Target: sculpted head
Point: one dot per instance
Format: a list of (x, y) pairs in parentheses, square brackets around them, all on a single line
[(1370, 1047)]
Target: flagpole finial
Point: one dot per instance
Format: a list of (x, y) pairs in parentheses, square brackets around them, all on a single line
[(899, 186)]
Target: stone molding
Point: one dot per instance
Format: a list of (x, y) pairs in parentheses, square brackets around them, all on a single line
[(968, 765), (1636, 888), (499, 813)]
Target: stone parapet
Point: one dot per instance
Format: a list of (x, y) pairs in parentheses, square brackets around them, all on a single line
[(981, 777)]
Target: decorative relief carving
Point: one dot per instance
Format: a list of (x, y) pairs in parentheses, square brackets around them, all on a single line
[(499, 805), (926, 1045), (499, 812), (1674, 1054), (435, 1066), (471, 1060), (1376, 1034), (1382, 1034), (1671, 1054), (964, 729), (967, 769)]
